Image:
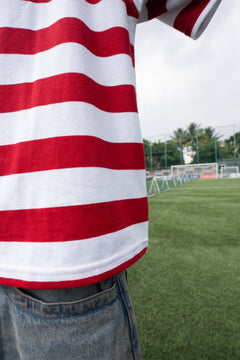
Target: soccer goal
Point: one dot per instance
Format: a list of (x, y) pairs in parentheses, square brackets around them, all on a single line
[(160, 184), (198, 171), (152, 186), (229, 171)]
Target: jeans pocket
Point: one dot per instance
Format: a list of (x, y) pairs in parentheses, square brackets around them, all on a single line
[(60, 295), (96, 327), (63, 295), (67, 295), (60, 303)]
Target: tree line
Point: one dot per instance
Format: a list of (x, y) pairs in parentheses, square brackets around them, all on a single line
[(205, 145)]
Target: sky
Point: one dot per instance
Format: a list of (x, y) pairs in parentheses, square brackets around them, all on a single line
[(180, 80)]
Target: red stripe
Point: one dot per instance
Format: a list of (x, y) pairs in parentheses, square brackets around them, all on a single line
[(74, 283), (71, 222), (187, 18), (131, 8), (67, 87), (69, 152), (46, 1), (105, 43), (38, 1), (156, 8), (93, 2)]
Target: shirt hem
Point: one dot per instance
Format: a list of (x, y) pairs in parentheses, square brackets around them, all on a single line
[(37, 285)]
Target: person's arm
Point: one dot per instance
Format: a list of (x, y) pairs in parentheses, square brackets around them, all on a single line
[(188, 16)]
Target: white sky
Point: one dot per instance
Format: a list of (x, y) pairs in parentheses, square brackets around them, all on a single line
[(180, 80)]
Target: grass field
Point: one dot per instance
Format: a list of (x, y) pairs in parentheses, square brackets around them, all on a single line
[(186, 289)]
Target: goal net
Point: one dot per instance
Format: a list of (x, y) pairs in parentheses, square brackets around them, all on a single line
[(229, 171), (198, 171)]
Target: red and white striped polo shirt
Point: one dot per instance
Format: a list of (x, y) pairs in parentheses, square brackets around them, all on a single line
[(73, 205)]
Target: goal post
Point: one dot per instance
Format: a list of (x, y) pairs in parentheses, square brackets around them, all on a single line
[(229, 171), (159, 184), (198, 171), (152, 186)]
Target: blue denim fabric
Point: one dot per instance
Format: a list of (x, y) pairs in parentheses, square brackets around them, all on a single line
[(89, 323)]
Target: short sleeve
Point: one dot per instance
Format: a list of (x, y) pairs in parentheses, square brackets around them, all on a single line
[(191, 17)]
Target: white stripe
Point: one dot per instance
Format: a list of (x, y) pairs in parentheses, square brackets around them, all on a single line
[(65, 261), (177, 4), (99, 17), (67, 187), (204, 18), (139, 4), (66, 58), (66, 119), (174, 8)]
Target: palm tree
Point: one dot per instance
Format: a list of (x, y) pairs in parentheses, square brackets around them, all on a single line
[(207, 145), (178, 135), (193, 134), (209, 135)]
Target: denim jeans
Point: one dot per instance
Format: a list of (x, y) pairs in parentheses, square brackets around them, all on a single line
[(95, 322)]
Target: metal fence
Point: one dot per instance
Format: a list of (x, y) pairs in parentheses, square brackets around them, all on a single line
[(221, 145)]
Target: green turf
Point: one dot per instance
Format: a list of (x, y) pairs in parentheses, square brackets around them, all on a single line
[(186, 289)]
